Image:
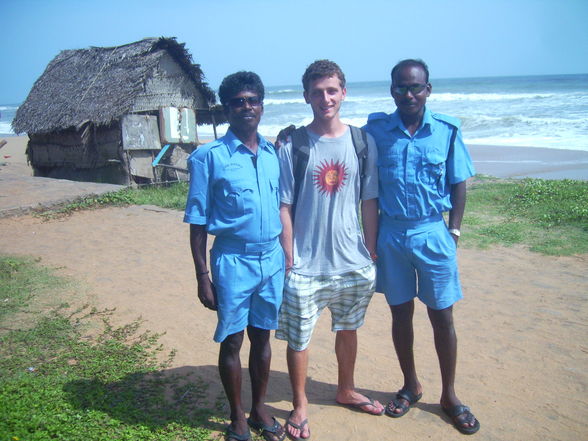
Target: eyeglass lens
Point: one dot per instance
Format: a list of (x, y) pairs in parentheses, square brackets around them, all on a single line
[(253, 101), (414, 89)]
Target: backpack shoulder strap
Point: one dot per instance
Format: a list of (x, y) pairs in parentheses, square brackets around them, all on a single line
[(359, 138), (300, 155)]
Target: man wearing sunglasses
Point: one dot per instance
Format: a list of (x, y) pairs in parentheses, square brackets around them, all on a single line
[(423, 167), (233, 195)]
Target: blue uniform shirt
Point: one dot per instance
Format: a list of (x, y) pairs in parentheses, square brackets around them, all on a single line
[(234, 192), (416, 172)]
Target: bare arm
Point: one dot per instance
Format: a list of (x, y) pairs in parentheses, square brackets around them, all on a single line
[(206, 290), (286, 236), (458, 202), (369, 219)]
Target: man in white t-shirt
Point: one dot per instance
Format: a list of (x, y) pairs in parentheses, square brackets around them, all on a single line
[(329, 262)]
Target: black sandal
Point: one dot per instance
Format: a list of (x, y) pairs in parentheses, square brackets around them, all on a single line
[(458, 410)]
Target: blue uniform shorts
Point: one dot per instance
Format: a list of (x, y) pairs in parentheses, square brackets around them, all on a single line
[(249, 279), (417, 259)]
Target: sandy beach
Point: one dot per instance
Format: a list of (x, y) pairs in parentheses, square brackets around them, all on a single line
[(522, 326)]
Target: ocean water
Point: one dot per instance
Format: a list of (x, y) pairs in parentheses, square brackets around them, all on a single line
[(533, 111), (7, 112)]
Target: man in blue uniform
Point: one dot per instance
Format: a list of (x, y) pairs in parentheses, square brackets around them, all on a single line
[(234, 196), (423, 165)]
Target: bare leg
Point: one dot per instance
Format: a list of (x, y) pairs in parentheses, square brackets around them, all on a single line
[(260, 356), (446, 346), (229, 367), (297, 368), (346, 350), (403, 338)]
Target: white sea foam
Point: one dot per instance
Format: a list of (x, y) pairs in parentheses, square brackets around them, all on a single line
[(283, 101), (5, 128), (526, 111), (487, 96), (275, 92)]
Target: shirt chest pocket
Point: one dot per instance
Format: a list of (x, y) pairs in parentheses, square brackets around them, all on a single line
[(390, 167), (238, 197), (433, 171)]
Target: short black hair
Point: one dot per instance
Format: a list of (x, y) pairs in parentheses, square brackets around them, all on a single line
[(238, 82), (410, 62), (321, 69)]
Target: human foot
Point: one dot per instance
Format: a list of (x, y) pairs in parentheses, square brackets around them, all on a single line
[(462, 418), (269, 432), (232, 435), (400, 405), (365, 404), (297, 426)]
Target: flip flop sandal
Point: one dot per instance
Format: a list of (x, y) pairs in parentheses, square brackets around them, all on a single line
[(359, 406), (231, 434), (402, 394), (297, 426), (460, 409), (269, 433)]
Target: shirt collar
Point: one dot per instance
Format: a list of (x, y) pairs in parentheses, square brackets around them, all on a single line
[(395, 121), (233, 142)]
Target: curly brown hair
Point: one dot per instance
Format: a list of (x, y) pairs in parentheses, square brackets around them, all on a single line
[(321, 69)]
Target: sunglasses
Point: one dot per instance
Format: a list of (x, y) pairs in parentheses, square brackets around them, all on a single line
[(414, 89), (237, 103)]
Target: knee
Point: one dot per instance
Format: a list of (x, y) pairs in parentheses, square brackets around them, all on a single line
[(347, 333), (232, 344), (442, 320), (402, 313), (260, 341), (258, 337)]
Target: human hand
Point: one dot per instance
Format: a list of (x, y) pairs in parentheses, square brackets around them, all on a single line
[(455, 238), (289, 263), (283, 135), (206, 292)]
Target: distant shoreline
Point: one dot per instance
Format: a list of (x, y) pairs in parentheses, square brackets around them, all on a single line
[(499, 161)]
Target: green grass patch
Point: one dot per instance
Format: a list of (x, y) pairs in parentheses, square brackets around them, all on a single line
[(58, 383), (551, 203), (550, 217), (171, 196), (21, 281), (547, 216)]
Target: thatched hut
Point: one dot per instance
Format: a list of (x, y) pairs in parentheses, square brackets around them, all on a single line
[(98, 114)]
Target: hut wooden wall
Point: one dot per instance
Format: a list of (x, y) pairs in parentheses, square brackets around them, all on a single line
[(88, 147)]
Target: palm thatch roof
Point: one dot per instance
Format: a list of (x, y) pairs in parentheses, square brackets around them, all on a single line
[(100, 84)]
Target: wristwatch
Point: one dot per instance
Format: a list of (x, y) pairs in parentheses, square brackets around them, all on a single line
[(455, 232)]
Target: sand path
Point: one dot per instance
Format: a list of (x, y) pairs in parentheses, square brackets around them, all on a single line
[(522, 328)]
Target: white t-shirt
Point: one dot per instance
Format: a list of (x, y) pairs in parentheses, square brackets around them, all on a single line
[(327, 235)]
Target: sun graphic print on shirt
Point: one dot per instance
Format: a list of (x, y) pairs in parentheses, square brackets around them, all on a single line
[(329, 177)]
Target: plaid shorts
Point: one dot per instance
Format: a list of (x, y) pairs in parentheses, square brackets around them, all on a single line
[(346, 295)]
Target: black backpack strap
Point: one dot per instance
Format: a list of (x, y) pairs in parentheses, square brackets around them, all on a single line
[(300, 155), (359, 137)]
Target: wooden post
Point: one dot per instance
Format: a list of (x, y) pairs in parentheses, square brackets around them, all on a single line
[(213, 123)]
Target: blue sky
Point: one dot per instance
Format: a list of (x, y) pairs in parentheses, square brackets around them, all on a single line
[(279, 38)]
